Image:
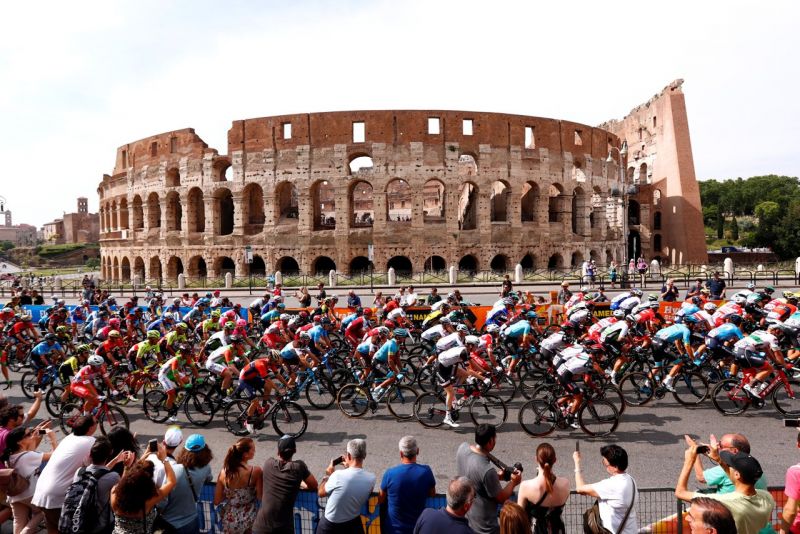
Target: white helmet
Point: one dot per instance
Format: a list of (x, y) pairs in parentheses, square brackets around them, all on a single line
[(739, 299), (492, 328), (471, 340), (710, 307), (95, 360)]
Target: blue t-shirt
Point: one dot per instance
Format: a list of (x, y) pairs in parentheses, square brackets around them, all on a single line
[(382, 354), (675, 332), (726, 332), (407, 486), (349, 319), (43, 349), (518, 329)]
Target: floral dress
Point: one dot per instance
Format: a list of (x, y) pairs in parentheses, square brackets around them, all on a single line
[(135, 525), (238, 511)]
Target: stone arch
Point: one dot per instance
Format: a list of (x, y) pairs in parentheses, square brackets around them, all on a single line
[(174, 267), (224, 211), (500, 201), (597, 211), (529, 203), (197, 267), (155, 268), (287, 265), (125, 269), (468, 206), (399, 201), (468, 263), (578, 174), (657, 245), (657, 221), (362, 208), (433, 201), (609, 256), (224, 265), (401, 265), (634, 212), (322, 265), (286, 202), (643, 179), (172, 178), (576, 259), (124, 223), (360, 162), (174, 212), (258, 267), (115, 269), (555, 203), (528, 262), (555, 262), (323, 200), (222, 170), (138, 268), (138, 213), (656, 197), (467, 165), (359, 264), (594, 256), (499, 263), (253, 209), (579, 210), (435, 264), (630, 176), (196, 210), (114, 214), (153, 210)]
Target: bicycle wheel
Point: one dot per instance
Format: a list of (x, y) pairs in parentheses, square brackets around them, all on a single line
[(340, 377), (690, 388), (409, 372), (489, 409), (537, 417), (786, 399), (289, 418), (613, 395), (153, 406), (199, 409), (353, 400), (529, 381), (110, 417), (430, 410), (15, 363), (400, 402), (598, 417), (27, 383), (636, 388), (320, 392), (235, 417), (119, 383), (426, 378), (53, 400), (504, 387), (729, 398), (69, 413)]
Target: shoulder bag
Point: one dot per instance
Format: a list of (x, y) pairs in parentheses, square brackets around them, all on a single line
[(592, 524)]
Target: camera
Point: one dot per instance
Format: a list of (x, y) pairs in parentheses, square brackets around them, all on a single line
[(509, 470), (152, 445), (703, 449)]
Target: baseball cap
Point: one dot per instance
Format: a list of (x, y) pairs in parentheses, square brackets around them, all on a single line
[(747, 466), (196, 442), (173, 436), (287, 444)]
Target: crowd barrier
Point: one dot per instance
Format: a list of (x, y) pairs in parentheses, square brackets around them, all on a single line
[(657, 511)]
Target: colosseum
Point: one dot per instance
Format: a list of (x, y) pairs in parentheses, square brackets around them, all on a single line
[(420, 190)]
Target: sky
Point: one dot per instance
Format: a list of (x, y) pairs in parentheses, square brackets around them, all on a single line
[(79, 79)]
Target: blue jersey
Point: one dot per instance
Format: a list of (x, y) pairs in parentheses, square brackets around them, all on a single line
[(365, 348), (317, 332), (193, 314), (158, 324), (44, 348), (289, 352), (387, 349), (270, 316), (78, 315), (675, 333), (726, 332), (518, 330), (349, 319)]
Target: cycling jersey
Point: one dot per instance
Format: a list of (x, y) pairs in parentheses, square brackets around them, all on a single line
[(450, 357), (349, 319), (676, 332), (758, 341), (781, 311), (386, 351), (366, 348), (397, 315), (270, 316), (449, 341), (193, 315), (273, 335), (724, 311), (317, 333), (437, 305), (78, 315), (291, 351), (575, 360), (258, 369), (553, 343), (433, 333), (145, 348), (615, 333), (170, 372), (705, 318), (578, 316), (616, 301), (44, 349), (356, 328), (726, 332), (599, 326), (518, 330), (629, 303), (793, 320)]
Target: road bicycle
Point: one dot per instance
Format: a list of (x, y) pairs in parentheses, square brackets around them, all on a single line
[(198, 409), (107, 416), (541, 416), (355, 399), (730, 398), (691, 386), (430, 409), (287, 417)]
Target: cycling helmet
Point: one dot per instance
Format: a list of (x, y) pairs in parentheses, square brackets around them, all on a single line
[(652, 298), (769, 290), (630, 318), (383, 331), (61, 302), (492, 328), (334, 297), (751, 286), (176, 301), (445, 320), (710, 307), (316, 318), (636, 292), (654, 305), (462, 328), (114, 334), (237, 306), (367, 312), (216, 314), (697, 301), (50, 337), (241, 322), (62, 329), (304, 336), (739, 299), (181, 326), (114, 323), (281, 306), (508, 301), (359, 310), (285, 317), (735, 319), (389, 324), (83, 348), (95, 360), (400, 332), (235, 338), (229, 325), (153, 334), (514, 296), (325, 321), (531, 315), (303, 314), (471, 340), (619, 314), (690, 319)]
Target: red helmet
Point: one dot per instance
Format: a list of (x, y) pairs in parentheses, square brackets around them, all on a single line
[(114, 323), (316, 318), (367, 312), (389, 324), (303, 314)]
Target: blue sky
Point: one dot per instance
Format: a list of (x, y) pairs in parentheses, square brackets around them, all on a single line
[(79, 79)]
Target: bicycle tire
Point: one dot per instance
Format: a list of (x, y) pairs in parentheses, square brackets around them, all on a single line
[(69, 412), (504, 387), (531, 380), (112, 417), (235, 417), (729, 398), (637, 388), (153, 406), (353, 400), (691, 388), (53, 400), (430, 410), (785, 404), (537, 418), (598, 417), (400, 402), (409, 372), (612, 394), (199, 409), (118, 381), (426, 378), (287, 416), (27, 382), (489, 409), (320, 394), (340, 377)]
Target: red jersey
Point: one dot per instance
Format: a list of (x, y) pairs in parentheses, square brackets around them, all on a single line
[(724, 311), (355, 328), (88, 374), (597, 328)]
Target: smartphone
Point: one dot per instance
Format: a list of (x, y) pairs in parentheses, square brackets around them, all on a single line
[(36, 387), (42, 431), (577, 446), (152, 445), (792, 423), (339, 460), (703, 449)]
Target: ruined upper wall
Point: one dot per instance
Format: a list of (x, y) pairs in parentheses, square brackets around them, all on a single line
[(170, 146)]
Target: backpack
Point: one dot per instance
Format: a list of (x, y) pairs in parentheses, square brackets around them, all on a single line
[(79, 515), (12, 482)]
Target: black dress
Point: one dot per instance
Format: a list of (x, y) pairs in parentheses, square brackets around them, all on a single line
[(546, 520)]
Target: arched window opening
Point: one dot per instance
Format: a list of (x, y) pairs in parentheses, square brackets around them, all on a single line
[(399, 201), (609, 256), (656, 197), (126, 269), (362, 204), (223, 212), (468, 207), (174, 214), (225, 265), (361, 164), (467, 166), (401, 265), (657, 221), (323, 265), (196, 211), (633, 212), (643, 177), (172, 178), (197, 267), (174, 267), (287, 265), (468, 264), (323, 199), (435, 264), (155, 268), (123, 214), (528, 263), (555, 262), (286, 202), (433, 201), (657, 243), (115, 274), (359, 265), (594, 256), (253, 204), (630, 176), (499, 263), (578, 173), (530, 193), (153, 211), (499, 201), (138, 268), (577, 259), (554, 202), (222, 171), (258, 268)]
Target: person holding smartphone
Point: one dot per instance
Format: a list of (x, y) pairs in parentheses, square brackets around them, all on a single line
[(347, 491)]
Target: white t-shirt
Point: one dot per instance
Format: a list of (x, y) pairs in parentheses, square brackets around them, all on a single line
[(348, 491), (159, 475), (411, 299), (615, 497), (26, 463), (72, 454)]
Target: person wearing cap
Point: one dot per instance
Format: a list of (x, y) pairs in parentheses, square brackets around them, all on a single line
[(406, 486), (347, 491), (715, 477), (282, 479), (173, 437), (751, 508), (178, 512)]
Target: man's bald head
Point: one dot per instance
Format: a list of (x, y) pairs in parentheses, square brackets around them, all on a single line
[(736, 441)]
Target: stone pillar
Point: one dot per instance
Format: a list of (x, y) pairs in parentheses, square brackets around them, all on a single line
[(238, 214), (228, 280), (146, 216), (57, 283), (518, 274), (727, 266), (391, 276), (332, 278), (184, 228), (278, 278), (452, 274), (166, 218), (212, 225), (181, 281)]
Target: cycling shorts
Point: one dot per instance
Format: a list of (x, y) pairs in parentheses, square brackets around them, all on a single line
[(166, 383), (445, 374), (37, 363), (216, 368), (567, 380), (749, 359), (80, 390), (252, 385), (663, 353), (381, 369)]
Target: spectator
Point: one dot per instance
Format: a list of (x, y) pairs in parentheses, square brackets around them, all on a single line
[(600, 296), (21, 455), (277, 291), (708, 516), (669, 292), (544, 497), (564, 294), (178, 512), (378, 303), (71, 454), (716, 286), (25, 299), (12, 416), (433, 297), (173, 437), (452, 519), (716, 477), (321, 294), (612, 273), (303, 297), (406, 487), (186, 301), (751, 508), (353, 300), (617, 494), (790, 521), (347, 491), (513, 519), (135, 497), (631, 267), (507, 286), (38, 300), (694, 290), (411, 297), (239, 486), (122, 440), (282, 479), (473, 463)]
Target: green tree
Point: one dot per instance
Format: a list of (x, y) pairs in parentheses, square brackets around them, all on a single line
[(734, 226), (6, 245), (720, 225), (710, 214)]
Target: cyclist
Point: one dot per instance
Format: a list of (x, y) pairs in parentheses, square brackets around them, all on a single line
[(78, 317), (430, 336), (220, 339), (574, 364), (46, 353), (781, 309), (94, 325), (502, 310), (277, 334), (256, 306), (259, 375), (365, 350), (756, 351), (195, 315), (70, 366), (83, 383), (171, 375), (272, 315), (111, 347), (719, 340), (222, 362), (320, 342), (102, 334), (354, 332), (449, 370), (436, 314), (297, 353), (162, 324), (673, 338), (134, 324), (520, 335), (169, 343), (487, 343), (732, 307), (138, 356)]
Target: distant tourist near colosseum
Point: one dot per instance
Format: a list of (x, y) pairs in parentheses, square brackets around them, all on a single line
[(413, 190)]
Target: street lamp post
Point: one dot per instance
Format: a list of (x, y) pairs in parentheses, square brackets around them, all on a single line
[(622, 152)]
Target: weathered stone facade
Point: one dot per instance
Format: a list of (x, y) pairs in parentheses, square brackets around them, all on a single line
[(476, 190)]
